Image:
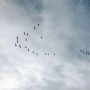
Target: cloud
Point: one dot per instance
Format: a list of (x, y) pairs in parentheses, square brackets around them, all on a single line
[(64, 25)]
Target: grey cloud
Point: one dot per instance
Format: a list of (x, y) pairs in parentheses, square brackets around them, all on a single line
[(65, 27), (27, 4), (25, 11)]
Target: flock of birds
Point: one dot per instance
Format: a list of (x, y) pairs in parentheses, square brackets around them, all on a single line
[(27, 34), (46, 54), (84, 52)]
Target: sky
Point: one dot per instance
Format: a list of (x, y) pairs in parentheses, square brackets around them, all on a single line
[(64, 25)]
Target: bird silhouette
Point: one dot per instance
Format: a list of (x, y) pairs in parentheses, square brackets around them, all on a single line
[(27, 34), (20, 46), (37, 54), (24, 33), (17, 38), (41, 37), (81, 50), (38, 24), (54, 54), (45, 54), (17, 41), (26, 39), (34, 27), (26, 47), (28, 50), (15, 44), (33, 51)]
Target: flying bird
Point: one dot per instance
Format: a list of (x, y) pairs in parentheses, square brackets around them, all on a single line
[(26, 39), (34, 27), (27, 34), (17, 38), (15, 44), (33, 51), (20, 46), (38, 24), (24, 33), (28, 50), (54, 54), (48, 53), (81, 50), (37, 54), (17, 41), (26, 47), (45, 54), (41, 37)]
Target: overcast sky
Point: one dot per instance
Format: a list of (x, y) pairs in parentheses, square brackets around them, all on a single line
[(65, 27)]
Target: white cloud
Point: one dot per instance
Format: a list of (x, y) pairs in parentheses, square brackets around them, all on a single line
[(64, 25)]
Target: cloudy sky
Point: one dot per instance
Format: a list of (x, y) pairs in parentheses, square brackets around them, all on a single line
[(64, 25)]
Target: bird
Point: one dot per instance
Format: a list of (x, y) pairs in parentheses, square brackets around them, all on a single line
[(37, 54), (86, 53), (38, 24), (17, 37), (48, 53), (26, 47), (20, 46), (17, 41), (81, 50), (45, 54), (15, 44), (33, 51), (28, 50), (41, 37), (54, 54), (26, 39), (34, 27), (27, 34), (24, 33)]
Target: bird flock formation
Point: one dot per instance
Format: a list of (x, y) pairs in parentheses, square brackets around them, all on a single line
[(17, 44), (84, 52)]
